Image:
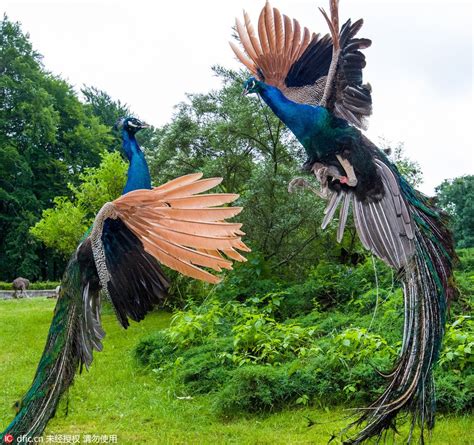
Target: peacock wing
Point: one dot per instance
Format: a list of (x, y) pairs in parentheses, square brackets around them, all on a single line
[(279, 43), (173, 225), (298, 62), (344, 93)]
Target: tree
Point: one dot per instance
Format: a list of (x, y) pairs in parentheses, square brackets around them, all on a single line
[(455, 197), (109, 111), (62, 226), (411, 170), (47, 138)]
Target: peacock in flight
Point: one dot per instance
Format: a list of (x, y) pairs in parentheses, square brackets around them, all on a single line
[(174, 224), (314, 85)]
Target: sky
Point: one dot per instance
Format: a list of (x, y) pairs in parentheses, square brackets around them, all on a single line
[(149, 54)]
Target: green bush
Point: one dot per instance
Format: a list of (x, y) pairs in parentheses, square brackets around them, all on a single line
[(194, 326), (458, 345), (466, 260), (316, 380), (454, 392), (357, 344), (155, 351), (250, 279), (258, 338), (39, 285), (201, 369), (253, 389)]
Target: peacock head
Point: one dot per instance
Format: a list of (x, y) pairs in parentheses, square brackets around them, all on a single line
[(130, 124), (251, 85)]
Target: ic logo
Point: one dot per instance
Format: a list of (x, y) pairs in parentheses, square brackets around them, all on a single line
[(8, 438)]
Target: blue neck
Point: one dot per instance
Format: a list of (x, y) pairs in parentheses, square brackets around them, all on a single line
[(303, 120), (138, 176)]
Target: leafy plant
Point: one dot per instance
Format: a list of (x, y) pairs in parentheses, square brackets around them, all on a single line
[(193, 327), (98, 185), (458, 345), (258, 338), (357, 344)]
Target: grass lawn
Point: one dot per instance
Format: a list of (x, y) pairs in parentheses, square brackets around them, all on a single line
[(117, 397)]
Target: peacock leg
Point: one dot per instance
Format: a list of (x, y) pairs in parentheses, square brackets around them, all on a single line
[(351, 179), (304, 184)]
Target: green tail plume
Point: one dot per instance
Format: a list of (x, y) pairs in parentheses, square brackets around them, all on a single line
[(59, 362), (428, 286)]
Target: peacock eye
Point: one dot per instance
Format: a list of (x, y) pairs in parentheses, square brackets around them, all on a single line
[(253, 84)]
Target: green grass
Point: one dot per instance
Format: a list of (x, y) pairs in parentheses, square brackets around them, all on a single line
[(117, 397)]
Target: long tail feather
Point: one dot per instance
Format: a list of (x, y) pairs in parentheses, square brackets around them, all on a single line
[(61, 358), (428, 286)]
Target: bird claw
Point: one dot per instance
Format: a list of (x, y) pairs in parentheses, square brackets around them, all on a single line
[(350, 179), (297, 183), (304, 184)]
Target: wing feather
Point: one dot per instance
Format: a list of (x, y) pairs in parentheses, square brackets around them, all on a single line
[(298, 62), (343, 214), (253, 38), (243, 58), (262, 33), (288, 37), (178, 182), (183, 229), (207, 214), (279, 44), (279, 32), (245, 39), (296, 39), (270, 28)]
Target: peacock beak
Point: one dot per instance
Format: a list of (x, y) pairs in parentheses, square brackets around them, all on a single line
[(245, 92)]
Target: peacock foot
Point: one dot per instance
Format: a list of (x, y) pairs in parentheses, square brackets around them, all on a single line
[(325, 172), (302, 183), (350, 179)]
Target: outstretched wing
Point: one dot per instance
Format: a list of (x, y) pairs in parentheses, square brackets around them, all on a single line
[(175, 225), (298, 62)]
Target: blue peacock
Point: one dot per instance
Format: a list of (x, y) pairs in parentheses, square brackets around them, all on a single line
[(174, 224), (314, 85)]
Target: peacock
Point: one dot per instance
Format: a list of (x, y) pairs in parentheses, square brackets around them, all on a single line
[(120, 258), (314, 85)]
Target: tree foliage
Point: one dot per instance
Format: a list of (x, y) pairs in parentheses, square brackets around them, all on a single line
[(455, 196), (98, 185), (47, 139)]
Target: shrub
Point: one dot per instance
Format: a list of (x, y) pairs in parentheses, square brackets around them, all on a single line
[(201, 368), (258, 338), (356, 344), (458, 345), (253, 389), (194, 326), (454, 393), (155, 351), (264, 351), (334, 284), (250, 279), (39, 285)]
